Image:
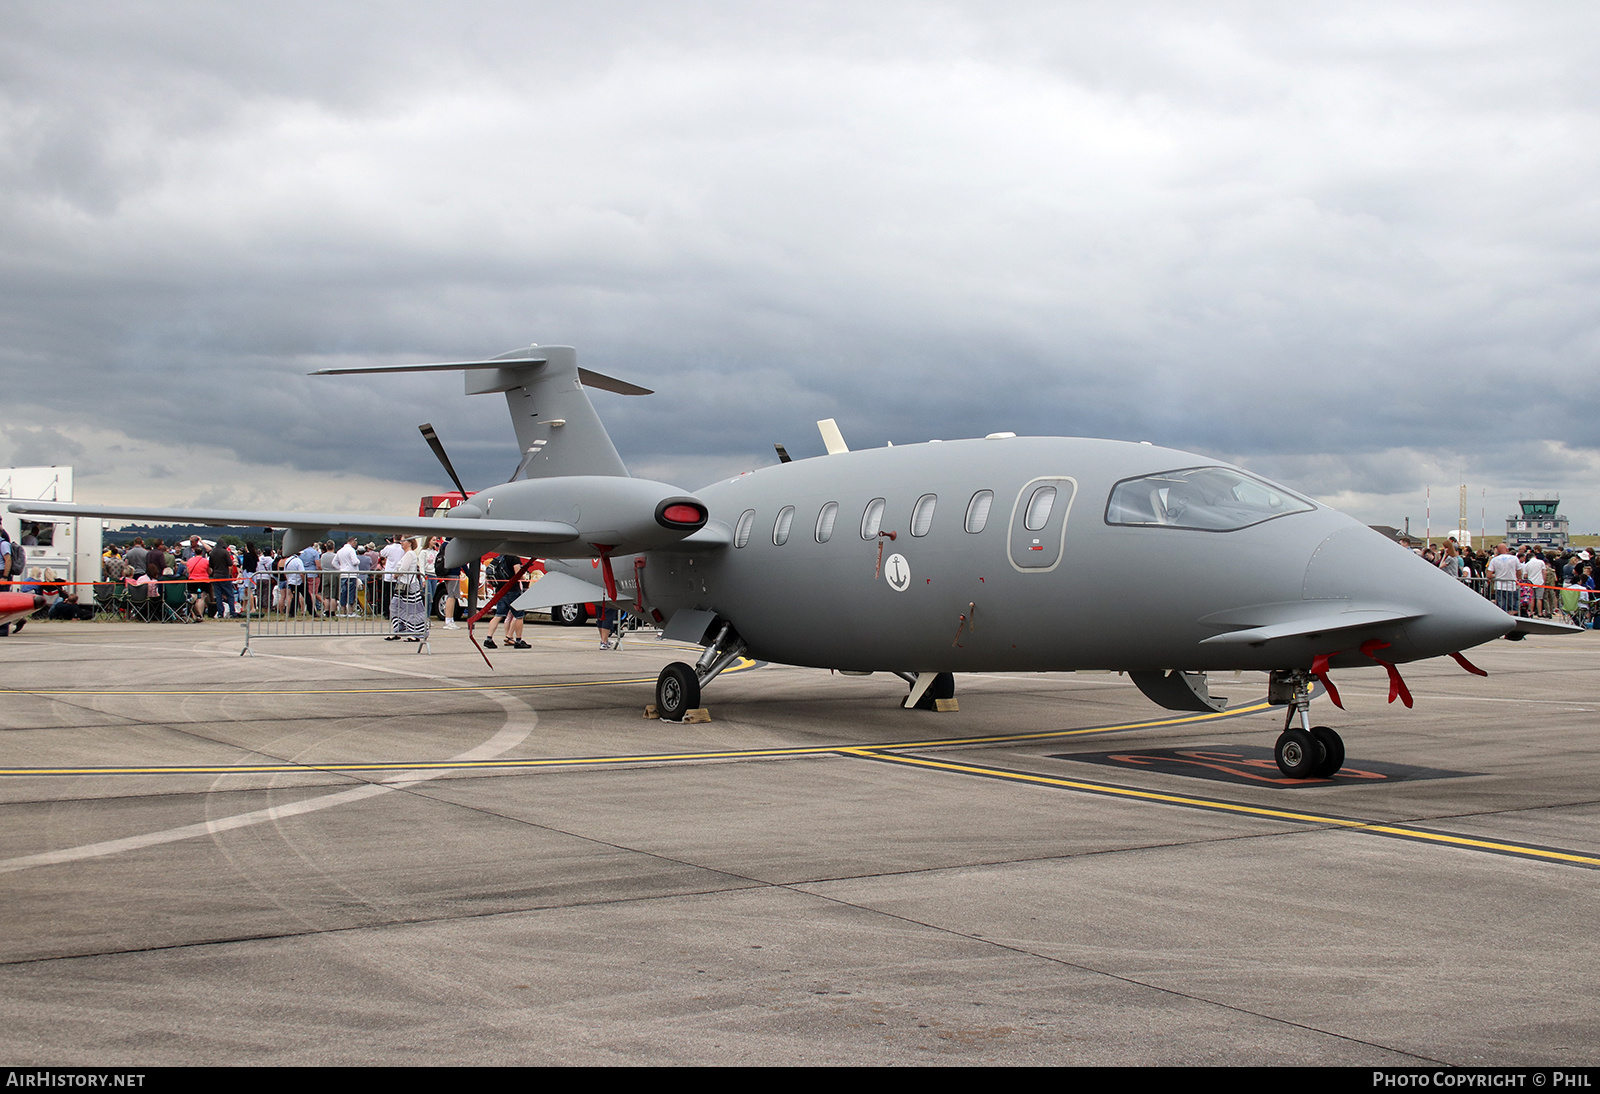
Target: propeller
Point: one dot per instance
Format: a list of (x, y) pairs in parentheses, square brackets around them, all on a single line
[(432, 438), (783, 454)]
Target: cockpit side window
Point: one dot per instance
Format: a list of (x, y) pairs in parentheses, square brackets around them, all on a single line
[(1206, 499)]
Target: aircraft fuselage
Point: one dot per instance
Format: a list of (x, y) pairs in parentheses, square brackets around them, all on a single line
[(1078, 592)]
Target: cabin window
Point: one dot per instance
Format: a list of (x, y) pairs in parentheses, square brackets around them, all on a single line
[(978, 510), (1206, 499), (825, 519), (922, 514), (872, 519), (1039, 506), (741, 534), (780, 529)]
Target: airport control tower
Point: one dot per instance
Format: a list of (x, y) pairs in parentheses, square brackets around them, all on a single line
[(1538, 524)]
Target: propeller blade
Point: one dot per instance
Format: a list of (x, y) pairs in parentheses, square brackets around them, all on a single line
[(438, 450), (783, 454)]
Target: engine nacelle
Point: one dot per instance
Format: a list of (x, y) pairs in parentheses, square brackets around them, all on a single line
[(621, 515)]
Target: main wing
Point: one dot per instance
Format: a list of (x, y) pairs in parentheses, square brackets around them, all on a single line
[(481, 528)]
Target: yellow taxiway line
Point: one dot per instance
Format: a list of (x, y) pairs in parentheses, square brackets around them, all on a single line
[(503, 764), (1400, 831)]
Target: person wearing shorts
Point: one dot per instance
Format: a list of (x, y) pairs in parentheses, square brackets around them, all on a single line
[(501, 568), (606, 617)]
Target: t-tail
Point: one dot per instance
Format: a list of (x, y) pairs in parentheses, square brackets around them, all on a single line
[(558, 432)]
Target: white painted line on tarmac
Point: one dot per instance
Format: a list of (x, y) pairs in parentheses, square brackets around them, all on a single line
[(503, 741)]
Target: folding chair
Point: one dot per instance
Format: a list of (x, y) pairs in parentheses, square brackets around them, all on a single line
[(175, 602), (140, 602)]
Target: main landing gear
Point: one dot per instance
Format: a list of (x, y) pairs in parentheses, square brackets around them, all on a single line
[(678, 686), (1304, 751), (927, 688)]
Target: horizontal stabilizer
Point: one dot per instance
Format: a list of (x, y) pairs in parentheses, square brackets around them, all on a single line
[(520, 531), (589, 377), (600, 380), (555, 589), (437, 366), (1310, 626)]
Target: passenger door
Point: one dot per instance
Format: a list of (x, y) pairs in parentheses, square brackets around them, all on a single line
[(1039, 523)]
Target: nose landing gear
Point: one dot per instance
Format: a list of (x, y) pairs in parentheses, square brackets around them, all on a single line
[(1304, 751)]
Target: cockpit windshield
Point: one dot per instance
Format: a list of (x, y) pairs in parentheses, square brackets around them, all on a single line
[(1207, 499)]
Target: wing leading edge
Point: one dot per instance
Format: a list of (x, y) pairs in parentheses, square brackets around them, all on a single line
[(520, 531)]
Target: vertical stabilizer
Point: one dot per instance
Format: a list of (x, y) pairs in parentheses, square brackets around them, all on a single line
[(558, 432)]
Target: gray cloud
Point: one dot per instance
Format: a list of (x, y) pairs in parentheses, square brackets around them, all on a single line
[(1355, 245)]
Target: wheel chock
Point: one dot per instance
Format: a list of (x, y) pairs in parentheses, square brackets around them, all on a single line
[(690, 717), (945, 705)]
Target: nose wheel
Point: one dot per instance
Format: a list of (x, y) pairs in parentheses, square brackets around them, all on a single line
[(1314, 754), (1332, 751), (1304, 751)]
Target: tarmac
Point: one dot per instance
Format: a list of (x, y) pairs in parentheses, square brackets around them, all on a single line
[(339, 851)]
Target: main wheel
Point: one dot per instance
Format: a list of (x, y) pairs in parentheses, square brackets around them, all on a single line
[(943, 687), (677, 691), (572, 615), (1332, 751), (1298, 754)]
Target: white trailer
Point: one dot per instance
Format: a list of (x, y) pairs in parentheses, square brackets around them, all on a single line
[(70, 547)]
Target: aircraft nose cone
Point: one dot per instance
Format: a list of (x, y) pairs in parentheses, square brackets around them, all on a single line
[(1357, 563)]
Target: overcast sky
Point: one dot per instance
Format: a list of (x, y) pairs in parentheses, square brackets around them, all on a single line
[(1354, 247)]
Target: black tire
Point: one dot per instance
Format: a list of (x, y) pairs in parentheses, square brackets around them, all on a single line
[(677, 691), (943, 687), (1298, 754), (1332, 751), (571, 615)]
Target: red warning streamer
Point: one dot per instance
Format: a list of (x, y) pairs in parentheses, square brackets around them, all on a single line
[(1319, 669), (605, 570), (1397, 686)]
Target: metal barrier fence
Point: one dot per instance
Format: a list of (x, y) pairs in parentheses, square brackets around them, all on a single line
[(306, 604)]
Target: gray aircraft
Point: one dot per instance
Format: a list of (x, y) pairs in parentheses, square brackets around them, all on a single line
[(1004, 553)]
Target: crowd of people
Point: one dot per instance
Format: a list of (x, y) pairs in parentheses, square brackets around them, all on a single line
[(404, 581), (324, 580), (1533, 582)]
